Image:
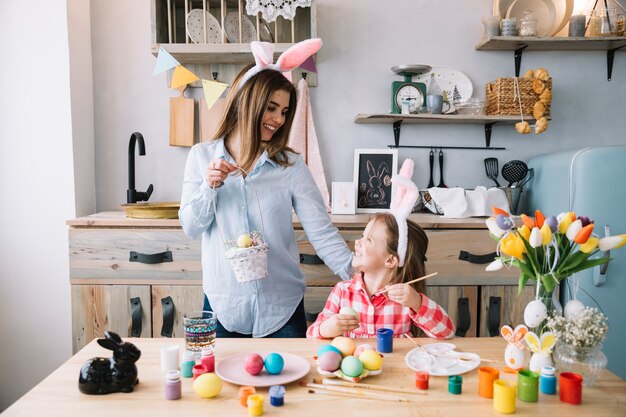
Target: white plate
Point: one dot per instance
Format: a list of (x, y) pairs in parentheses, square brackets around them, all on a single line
[(447, 365), (563, 11), (543, 10), (231, 369), (446, 79), (195, 28), (231, 27)]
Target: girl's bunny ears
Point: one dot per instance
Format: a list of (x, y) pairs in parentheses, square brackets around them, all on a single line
[(404, 197), (288, 61)]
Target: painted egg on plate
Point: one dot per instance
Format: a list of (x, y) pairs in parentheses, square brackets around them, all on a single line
[(371, 359), (253, 364), (351, 366), (274, 363), (329, 361), (344, 344), (325, 348), (362, 348)]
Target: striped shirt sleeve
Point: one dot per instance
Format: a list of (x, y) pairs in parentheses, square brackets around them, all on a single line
[(332, 307)]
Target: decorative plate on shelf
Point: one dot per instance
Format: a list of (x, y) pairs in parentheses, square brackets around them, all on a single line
[(231, 369), (441, 360), (231, 27), (195, 27), (452, 82)]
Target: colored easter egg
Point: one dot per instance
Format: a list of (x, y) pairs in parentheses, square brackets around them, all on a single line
[(329, 361), (344, 344), (349, 310), (572, 308), (534, 313), (504, 222), (325, 348), (514, 357), (253, 364), (553, 223), (351, 366), (244, 241), (274, 363), (362, 348), (207, 385), (372, 361)]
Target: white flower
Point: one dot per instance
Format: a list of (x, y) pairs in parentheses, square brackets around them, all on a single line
[(535, 240), (494, 266), (573, 229)]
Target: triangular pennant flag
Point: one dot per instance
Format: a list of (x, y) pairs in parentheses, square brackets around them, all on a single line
[(212, 91), (288, 75), (164, 62), (182, 76), (309, 65)]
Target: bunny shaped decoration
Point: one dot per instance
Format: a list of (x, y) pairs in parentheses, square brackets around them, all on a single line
[(405, 194), (514, 356), (104, 376), (541, 349), (376, 178)]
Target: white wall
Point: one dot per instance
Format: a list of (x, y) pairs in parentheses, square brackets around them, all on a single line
[(37, 182), (363, 39)]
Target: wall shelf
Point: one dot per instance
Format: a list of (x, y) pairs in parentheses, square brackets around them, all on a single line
[(398, 119), (518, 44), (203, 53)]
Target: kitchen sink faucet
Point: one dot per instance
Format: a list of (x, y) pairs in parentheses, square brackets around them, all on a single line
[(132, 195)]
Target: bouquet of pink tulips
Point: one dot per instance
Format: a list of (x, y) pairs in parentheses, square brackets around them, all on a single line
[(548, 249)]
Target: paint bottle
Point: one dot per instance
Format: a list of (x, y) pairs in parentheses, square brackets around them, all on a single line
[(255, 405), (198, 370), (186, 366), (244, 393), (384, 340), (455, 384), (277, 395), (504, 396), (527, 385), (421, 380), (486, 376), (208, 359), (173, 386), (570, 388), (547, 380)]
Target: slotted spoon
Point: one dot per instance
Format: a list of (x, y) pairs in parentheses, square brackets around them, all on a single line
[(514, 171), (491, 168)]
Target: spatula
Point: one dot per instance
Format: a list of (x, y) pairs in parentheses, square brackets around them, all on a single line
[(491, 168)]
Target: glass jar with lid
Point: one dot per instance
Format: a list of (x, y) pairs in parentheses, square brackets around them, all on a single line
[(528, 24)]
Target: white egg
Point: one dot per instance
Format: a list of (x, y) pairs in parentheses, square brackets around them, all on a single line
[(572, 308), (514, 357), (538, 361), (534, 313)]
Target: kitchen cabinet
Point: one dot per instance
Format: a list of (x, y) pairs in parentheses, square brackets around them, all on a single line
[(114, 259), (519, 44)]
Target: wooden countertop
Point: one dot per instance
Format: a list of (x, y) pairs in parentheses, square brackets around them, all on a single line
[(58, 394), (426, 220)]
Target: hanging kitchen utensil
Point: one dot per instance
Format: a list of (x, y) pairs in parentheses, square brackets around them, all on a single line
[(441, 183), (491, 168), (514, 171), (181, 119), (431, 159), (527, 179)]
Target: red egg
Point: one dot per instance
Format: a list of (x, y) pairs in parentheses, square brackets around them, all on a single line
[(253, 364)]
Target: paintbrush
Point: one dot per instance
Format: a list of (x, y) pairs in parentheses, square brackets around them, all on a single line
[(329, 381), (354, 391), (414, 280), (342, 394)]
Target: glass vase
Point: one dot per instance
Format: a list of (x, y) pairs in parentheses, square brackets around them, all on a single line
[(551, 300), (586, 361)]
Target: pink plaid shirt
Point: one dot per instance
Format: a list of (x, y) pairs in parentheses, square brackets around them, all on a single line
[(379, 311)]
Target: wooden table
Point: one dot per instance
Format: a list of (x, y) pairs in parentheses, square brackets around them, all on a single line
[(58, 394)]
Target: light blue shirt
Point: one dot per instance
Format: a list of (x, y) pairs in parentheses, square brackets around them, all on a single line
[(263, 306)]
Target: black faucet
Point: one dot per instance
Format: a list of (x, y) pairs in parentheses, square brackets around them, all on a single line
[(132, 195)]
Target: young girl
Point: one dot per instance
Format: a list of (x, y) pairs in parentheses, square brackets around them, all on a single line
[(249, 159), (392, 251)]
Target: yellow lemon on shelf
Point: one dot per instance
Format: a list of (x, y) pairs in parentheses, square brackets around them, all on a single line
[(207, 385), (244, 241)]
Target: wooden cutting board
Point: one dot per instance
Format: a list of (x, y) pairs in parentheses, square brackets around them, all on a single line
[(210, 118), (181, 119)]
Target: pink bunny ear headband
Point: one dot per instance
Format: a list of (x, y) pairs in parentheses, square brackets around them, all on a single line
[(288, 61), (404, 197)]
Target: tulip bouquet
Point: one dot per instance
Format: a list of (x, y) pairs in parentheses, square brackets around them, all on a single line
[(547, 249)]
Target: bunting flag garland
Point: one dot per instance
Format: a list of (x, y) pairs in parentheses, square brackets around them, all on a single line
[(212, 91), (309, 65), (182, 76), (164, 62)]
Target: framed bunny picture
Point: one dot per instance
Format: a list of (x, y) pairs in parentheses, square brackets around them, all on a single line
[(373, 169)]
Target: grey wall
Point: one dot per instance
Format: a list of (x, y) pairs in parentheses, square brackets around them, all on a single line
[(362, 40)]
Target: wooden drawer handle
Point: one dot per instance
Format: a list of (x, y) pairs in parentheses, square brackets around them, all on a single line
[(464, 318), (135, 315), (477, 259), (310, 259), (167, 305), (154, 258)]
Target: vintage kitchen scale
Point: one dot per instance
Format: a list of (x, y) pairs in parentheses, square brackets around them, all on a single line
[(412, 93)]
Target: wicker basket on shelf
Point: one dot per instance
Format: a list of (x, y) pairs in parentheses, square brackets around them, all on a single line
[(501, 99)]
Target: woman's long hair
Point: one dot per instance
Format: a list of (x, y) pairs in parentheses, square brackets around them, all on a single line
[(245, 108), (417, 245)]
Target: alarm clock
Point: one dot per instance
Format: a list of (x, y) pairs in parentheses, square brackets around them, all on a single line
[(413, 94)]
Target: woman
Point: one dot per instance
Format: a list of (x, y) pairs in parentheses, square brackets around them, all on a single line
[(253, 136)]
